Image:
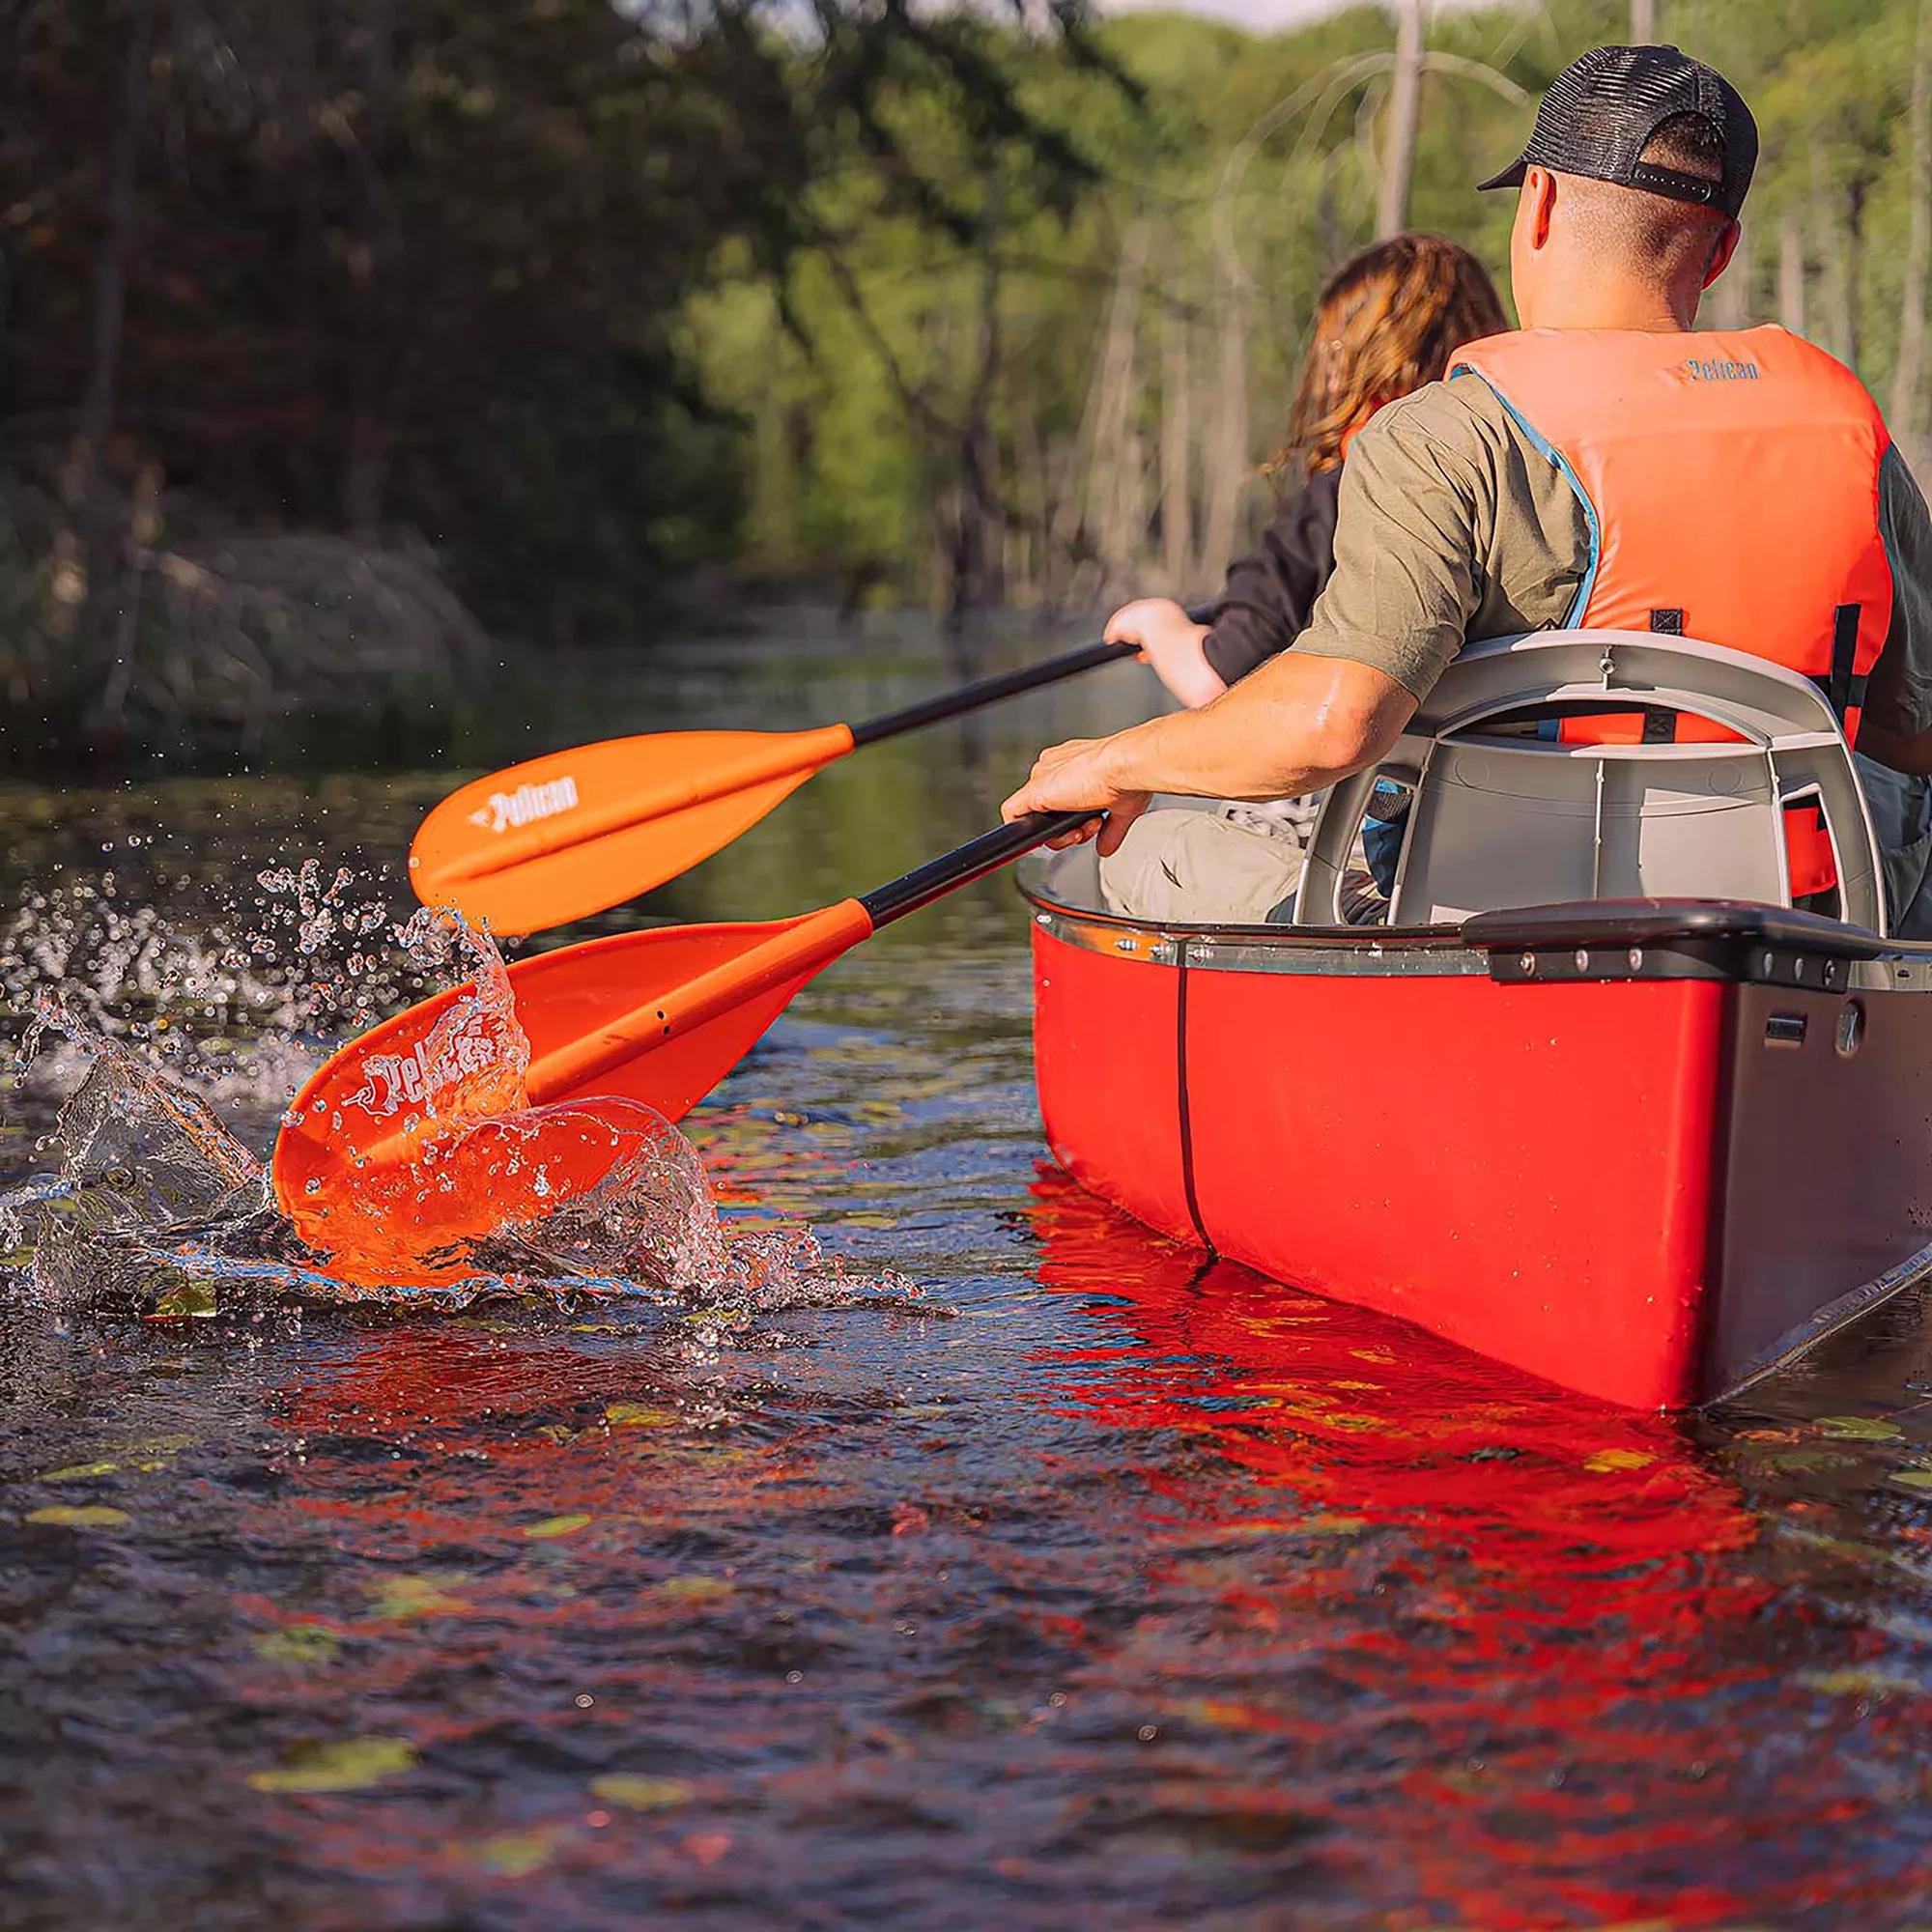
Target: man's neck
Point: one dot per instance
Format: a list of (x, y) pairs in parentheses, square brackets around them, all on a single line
[(1650, 311)]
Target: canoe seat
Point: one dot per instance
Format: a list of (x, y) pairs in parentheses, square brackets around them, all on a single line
[(1500, 820)]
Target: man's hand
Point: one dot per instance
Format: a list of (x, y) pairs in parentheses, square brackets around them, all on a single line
[(1065, 778), (1172, 643)]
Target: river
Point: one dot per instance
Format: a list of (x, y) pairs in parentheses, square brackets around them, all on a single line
[(1014, 1570)]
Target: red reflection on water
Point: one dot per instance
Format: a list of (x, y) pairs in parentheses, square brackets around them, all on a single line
[(1450, 1646), (1563, 1600)]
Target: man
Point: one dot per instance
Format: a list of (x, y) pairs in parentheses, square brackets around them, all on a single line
[(1606, 467)]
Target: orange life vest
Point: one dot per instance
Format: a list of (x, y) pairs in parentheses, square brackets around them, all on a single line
[(1731, 484)]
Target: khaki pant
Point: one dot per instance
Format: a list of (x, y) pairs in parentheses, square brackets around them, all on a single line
[(1199, 869)]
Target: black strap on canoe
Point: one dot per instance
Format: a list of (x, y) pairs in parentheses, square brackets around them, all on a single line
[(1183, 1099)]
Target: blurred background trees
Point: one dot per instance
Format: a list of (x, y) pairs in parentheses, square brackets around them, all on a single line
[(326, 323)]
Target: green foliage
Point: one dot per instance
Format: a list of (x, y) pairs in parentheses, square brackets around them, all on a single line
[(425, 267), (858, 392), (567, 298)]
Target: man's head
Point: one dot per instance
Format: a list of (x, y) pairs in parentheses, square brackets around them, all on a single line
[(1629, 192)]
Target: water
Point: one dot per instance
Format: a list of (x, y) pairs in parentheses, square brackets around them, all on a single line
[(1084, 1585)]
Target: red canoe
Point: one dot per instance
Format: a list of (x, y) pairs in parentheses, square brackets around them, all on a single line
[(1647, 1150), (1641, 1144)]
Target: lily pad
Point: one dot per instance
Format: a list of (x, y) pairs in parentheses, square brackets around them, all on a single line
[(406, 1597), (695, 1589), (641, 1793), (517, 1854), (78, 1516), (299, 1643), (1607, 1460), (1861, 1428), (640, 1415), (556, 1526), (190, 1299), (1912, 1479), (75, 1471), (1857, 1682), (353, 1764)]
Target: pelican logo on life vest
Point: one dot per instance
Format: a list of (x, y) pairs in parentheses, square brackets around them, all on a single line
[(396, 1080), (1722, 372), (526, 802)]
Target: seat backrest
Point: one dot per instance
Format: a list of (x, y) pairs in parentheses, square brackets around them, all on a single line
[(1511, 821)]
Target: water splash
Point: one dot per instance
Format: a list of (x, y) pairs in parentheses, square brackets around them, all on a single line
[(156, 1207)]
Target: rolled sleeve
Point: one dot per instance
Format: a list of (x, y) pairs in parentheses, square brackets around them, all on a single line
[(1407, 580)]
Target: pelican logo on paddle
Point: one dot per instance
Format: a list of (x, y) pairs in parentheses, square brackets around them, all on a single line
[(528, 803), (397, 1080)]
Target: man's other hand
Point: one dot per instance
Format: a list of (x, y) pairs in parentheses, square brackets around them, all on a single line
[(1065, 778)]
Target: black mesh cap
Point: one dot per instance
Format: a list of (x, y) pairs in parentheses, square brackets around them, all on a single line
[(1601, 112)]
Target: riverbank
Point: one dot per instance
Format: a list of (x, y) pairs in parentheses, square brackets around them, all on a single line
[(222, 650)]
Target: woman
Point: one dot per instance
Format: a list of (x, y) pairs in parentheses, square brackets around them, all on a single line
[(1388, 322)]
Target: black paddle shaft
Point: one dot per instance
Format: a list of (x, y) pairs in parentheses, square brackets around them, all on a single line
[(991, 690), (971, 861)]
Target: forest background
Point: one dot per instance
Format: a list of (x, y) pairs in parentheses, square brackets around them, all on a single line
[(350, 349)]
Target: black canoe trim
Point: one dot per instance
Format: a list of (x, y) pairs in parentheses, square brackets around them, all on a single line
[(1588, 940)]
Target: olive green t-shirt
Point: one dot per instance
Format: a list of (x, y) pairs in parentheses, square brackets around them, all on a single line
[(1454, 526)]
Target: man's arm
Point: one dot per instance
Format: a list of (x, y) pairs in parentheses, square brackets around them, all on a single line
[(1896, 725), (1394, 613), (1297, 724)]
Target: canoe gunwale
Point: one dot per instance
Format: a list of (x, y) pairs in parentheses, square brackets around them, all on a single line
[(1599, 940)]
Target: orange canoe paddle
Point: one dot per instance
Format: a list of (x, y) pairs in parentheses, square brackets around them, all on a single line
[(560, 838), (411, 1141)]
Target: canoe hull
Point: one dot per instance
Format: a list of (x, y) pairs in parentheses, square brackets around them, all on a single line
[(1638, 1186)]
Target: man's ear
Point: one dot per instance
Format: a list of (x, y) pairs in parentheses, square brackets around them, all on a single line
[(1539, 203), (1726, 246)]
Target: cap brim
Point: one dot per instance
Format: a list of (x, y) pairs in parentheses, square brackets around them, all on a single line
[(1511, 177)]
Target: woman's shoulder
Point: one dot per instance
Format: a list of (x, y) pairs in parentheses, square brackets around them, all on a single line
[(1304, 515)]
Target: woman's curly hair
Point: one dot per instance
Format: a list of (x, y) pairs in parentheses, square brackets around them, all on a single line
[(1387, 322)]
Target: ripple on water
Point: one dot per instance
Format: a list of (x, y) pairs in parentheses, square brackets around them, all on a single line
[(1136, 1592)]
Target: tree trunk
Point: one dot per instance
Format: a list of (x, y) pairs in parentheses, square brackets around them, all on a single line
[(1119, 518), (1907, 376), (1644, 23), (1177, 456), (978, 548), (1730, 294), (1228, 459), (1854, 266), (1085, 512), (1791, 275), (1827, 234), (372, 267), (1032, 494), (84, 573), (1404, 112)]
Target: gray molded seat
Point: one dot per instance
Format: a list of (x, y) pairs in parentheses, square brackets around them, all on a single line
[(1513, 821)]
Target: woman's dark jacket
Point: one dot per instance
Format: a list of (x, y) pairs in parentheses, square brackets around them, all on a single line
[(1270, 594)]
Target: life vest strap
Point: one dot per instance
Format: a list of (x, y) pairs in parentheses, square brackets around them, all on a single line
[(1845, 620)]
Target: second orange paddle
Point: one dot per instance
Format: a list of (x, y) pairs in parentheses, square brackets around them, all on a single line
[(562, 836)]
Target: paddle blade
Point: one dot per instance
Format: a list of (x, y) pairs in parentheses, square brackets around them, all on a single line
[(422, 1223), (657, 1017), (562, 836)]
